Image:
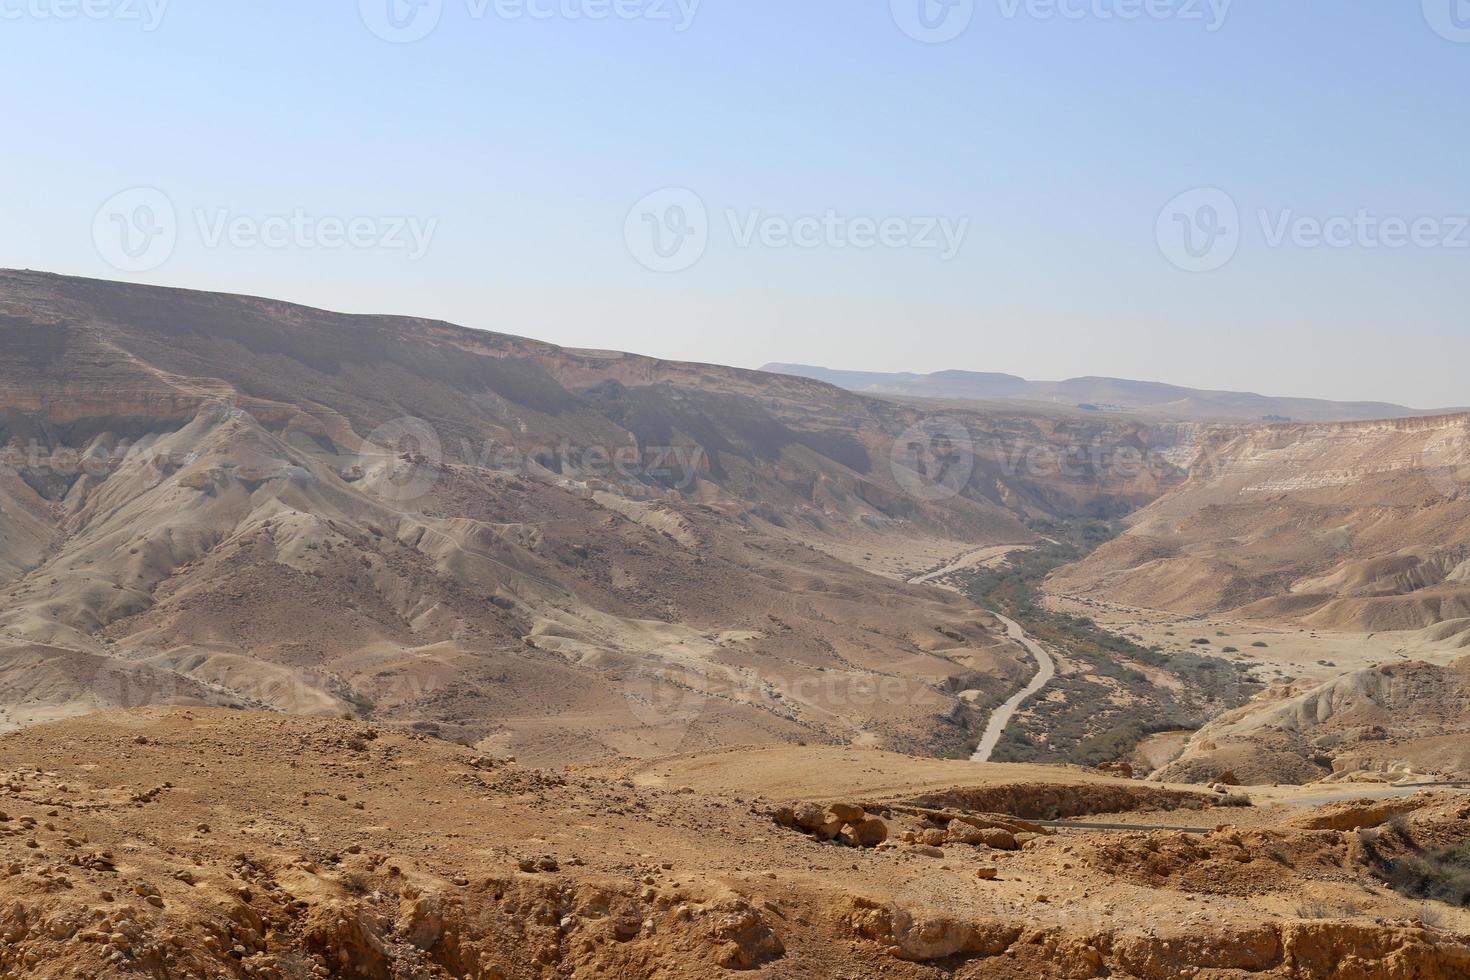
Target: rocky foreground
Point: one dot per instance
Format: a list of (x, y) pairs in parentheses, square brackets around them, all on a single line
[(207, 843)]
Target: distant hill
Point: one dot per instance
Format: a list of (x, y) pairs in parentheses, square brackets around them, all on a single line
[(1105, 394)]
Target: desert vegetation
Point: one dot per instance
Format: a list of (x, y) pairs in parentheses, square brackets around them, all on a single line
[(1107, 702)]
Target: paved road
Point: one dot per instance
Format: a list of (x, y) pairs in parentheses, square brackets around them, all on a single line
[(1000, 720), (1359, 792), (1129, 828), (970, 559)]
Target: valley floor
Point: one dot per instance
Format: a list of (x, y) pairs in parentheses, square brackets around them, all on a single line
[(1273, 652)]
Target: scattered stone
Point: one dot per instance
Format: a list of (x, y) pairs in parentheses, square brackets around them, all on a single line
[(865, 833)]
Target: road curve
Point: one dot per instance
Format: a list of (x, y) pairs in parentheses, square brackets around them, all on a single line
[(1000, 719), (1046, 670)]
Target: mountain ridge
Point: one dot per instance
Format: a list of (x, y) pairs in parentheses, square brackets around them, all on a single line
[(1095, 393), (212, 499)]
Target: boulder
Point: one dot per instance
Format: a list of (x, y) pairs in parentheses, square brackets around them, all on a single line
[(809, 816), (962, 833), (1000, 840), (743, 939), (865, 833), (830, 829)]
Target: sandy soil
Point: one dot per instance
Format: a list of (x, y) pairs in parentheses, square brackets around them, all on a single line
[(1311, 656), (823, 771), (221, 844), (1159, 750)]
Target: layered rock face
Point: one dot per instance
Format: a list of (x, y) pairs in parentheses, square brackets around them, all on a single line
[(1404, 721), (1352, 526)]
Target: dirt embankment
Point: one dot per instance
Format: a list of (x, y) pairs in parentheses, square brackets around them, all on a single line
[(225, 844)]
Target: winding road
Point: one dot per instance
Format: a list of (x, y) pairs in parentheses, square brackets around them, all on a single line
[(1000, 718)]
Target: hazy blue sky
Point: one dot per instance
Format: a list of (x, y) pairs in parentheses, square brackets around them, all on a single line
[(497, 163)]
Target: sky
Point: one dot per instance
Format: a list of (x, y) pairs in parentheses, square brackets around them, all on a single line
[(1256, 195)]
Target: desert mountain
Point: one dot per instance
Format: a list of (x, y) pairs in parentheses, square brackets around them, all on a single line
[(703, 607), (222, 500), (1400, 721), (1103, 394), (1357, 526)]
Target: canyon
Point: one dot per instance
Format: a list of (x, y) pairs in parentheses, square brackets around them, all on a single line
[(381, 647)]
